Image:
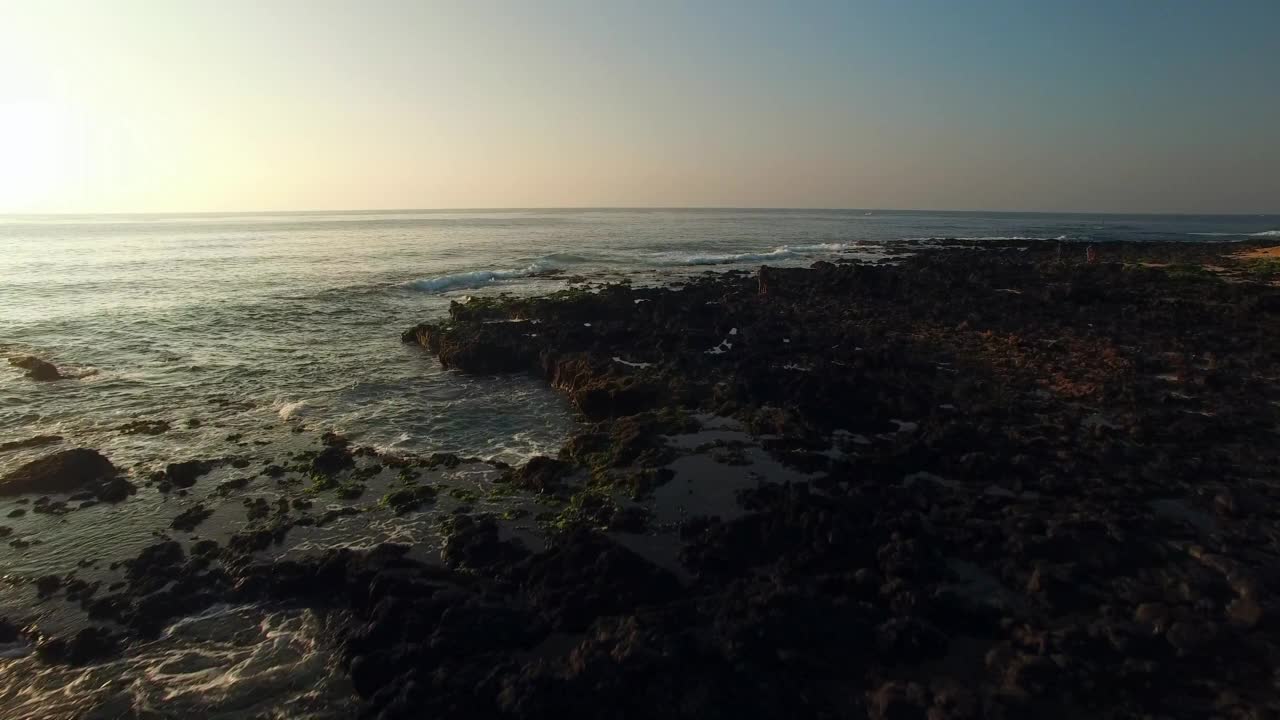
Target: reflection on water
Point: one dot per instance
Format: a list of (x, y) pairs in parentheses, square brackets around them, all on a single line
[(230, 662)]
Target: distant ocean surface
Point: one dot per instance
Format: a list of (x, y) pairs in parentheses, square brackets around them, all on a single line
[(259, 323)]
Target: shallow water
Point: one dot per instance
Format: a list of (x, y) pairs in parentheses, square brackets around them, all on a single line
[(228, 662)]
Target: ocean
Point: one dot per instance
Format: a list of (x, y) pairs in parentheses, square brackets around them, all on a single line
[(275, 327)]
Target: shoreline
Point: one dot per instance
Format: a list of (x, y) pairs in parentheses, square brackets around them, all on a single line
[(1012, 484)]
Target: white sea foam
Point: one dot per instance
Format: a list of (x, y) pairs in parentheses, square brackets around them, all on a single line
[(823, 247), (228, 662), (1266, 234), (393, 446), (724, 347), (720, 259), (778, 253), (480, 278), (906, 426), (290, 410), (1060, 238)]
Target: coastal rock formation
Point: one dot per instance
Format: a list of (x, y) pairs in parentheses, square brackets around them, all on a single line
[(145, 427), (1007, 453), (481, 350), (62, 472), (9, 632), (36, 368), (978, 483), (188, 519), (31, 442), (90, 645), (184, 474), (541, 474)]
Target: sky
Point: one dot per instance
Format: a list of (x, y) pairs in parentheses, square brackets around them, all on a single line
[(1071, 105)]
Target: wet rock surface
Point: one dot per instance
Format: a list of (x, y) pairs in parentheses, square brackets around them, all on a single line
[(1009, 455), (31, 442), (188, 519), (183, 474), (980, 483), (67, 471), (145, 427), (36, 368)]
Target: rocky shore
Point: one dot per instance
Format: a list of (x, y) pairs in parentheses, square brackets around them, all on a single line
[(986, 480)]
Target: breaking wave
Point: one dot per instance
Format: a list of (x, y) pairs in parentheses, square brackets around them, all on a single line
[(228, 662), (288, 410), (480, 278), (778, 253), (1263, 234)]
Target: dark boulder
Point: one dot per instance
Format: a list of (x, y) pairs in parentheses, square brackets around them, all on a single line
[(188, 519), (115, 489), (31, 442), (90, 645), (8, 631), (184, 474), (587, 576), (335, 457), (541, 474), (145, 427), (47, 585), (61, 472), (407, 500), (474, 544), (36, 368)]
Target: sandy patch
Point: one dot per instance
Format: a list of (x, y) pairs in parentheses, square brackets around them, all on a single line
[(1270, 253)]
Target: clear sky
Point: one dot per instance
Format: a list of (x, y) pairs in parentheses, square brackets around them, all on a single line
[(1107, 105)]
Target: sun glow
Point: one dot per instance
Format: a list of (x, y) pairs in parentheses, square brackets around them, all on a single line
[(33, 153)]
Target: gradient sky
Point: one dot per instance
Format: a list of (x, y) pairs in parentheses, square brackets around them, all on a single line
[(1115, 105)]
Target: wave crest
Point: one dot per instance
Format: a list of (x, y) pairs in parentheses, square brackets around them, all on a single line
[(1263, 234), (289, 410), (480, 278), (785, 251)]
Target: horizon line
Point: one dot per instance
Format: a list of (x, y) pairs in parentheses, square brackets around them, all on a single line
[(548, 208)]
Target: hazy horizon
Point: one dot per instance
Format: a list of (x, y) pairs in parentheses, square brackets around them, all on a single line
[(993, 106), (623, 208)]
